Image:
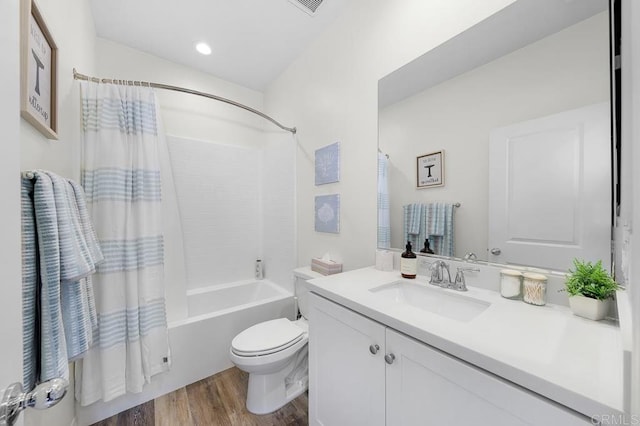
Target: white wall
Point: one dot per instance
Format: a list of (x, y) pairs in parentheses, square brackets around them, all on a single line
[(71, 24), (330, 94), (564, 71), (10, 302)]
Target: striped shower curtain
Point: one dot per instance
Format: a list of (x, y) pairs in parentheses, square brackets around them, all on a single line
[(384, 222), (121, 178)]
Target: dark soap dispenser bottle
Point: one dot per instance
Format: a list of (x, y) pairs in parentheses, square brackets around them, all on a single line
[(408, 263), (426, 248)]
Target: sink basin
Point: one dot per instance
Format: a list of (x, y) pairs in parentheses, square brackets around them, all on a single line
[(432, 299)]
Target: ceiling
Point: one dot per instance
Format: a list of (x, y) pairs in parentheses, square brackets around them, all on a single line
[(519, 24), (253, 41)]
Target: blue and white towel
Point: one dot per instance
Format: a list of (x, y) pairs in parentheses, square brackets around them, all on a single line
[(60, 252), (413, 219), (434, 221), (384, 217), (438, 224)]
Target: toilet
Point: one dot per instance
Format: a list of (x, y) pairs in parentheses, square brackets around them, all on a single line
[(274, 353)]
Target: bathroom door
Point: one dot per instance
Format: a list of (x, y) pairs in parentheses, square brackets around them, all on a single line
[(550, 190)]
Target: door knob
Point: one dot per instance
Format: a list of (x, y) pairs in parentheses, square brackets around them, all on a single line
[(44, 395), (389, 358), (374, 349), (496, 251)]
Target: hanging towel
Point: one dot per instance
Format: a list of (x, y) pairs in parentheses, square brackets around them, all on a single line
[(438, 222), (30, 289), (435, 218), (60, 245), (79, 255), (414, 230)]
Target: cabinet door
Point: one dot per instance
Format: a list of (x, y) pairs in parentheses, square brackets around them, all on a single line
[(427, 387), (346, 380)]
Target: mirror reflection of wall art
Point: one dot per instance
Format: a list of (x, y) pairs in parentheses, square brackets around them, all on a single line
[(431, 170), (328, 164), (38, 68), (328, 213)]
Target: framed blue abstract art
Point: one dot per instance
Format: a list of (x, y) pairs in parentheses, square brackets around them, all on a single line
[(328, 213), (328, 164)]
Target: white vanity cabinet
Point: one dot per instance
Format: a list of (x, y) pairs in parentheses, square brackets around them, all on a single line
[(346, 366), (406, 382)]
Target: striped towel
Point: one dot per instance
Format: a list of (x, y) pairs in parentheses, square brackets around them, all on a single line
[(30, 289), (413, 214), (414, 231), (63, 237), (438, 222)]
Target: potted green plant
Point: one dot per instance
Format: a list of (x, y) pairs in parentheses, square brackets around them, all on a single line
[(590, 289)]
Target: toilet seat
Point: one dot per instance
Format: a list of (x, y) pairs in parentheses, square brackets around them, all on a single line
[(267, 338)]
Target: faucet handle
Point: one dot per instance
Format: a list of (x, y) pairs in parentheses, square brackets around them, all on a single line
[(436, 277), (460, 283)]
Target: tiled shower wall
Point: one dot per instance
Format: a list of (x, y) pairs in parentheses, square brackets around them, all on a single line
[(236, 205)]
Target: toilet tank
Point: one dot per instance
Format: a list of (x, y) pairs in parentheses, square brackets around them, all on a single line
[(301, 287)]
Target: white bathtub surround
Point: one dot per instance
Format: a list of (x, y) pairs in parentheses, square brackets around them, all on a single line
[(220, 299), (236, 205), (121, 177), (545, 349)]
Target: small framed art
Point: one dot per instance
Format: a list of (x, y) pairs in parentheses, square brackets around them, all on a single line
[(328, 164), (327, 210), (430, 170), (38, 71)]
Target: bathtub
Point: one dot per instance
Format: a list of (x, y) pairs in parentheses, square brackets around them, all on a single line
[(217, 300), (200, 343)]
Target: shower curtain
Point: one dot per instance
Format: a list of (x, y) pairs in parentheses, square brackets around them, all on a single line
[(122, 142), (384, 225)]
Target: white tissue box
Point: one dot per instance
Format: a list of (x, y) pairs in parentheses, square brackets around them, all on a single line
[(325, 267)]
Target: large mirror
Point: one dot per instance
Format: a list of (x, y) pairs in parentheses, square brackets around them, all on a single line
[(519, 107)]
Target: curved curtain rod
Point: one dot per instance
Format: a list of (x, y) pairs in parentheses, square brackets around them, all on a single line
[(78, 76)]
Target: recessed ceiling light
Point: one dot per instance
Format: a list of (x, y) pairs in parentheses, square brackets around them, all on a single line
[(203, 48)]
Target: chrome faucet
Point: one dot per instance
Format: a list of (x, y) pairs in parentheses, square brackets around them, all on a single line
[(437, 269), (460, 283)]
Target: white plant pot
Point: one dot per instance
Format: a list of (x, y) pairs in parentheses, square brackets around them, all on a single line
[(587, 307)]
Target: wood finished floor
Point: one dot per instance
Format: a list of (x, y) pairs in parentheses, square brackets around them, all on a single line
[(216, 400)]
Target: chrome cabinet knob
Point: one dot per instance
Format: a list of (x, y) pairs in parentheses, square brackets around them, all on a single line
[(496, 251), (389, 358), (374, 349)]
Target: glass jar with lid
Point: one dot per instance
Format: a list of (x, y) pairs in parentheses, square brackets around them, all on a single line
[(534, 288), (510, 284)]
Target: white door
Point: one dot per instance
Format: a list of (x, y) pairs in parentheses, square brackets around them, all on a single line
[(550, 190), (346, 370), (10, 270), (428, 387)]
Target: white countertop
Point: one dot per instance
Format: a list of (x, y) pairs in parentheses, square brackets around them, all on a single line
[(568, 359)]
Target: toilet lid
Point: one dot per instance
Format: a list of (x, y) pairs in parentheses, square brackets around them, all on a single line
[(267, 337)]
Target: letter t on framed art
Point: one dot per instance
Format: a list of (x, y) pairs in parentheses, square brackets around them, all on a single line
[(430, 170), (38, 71)]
